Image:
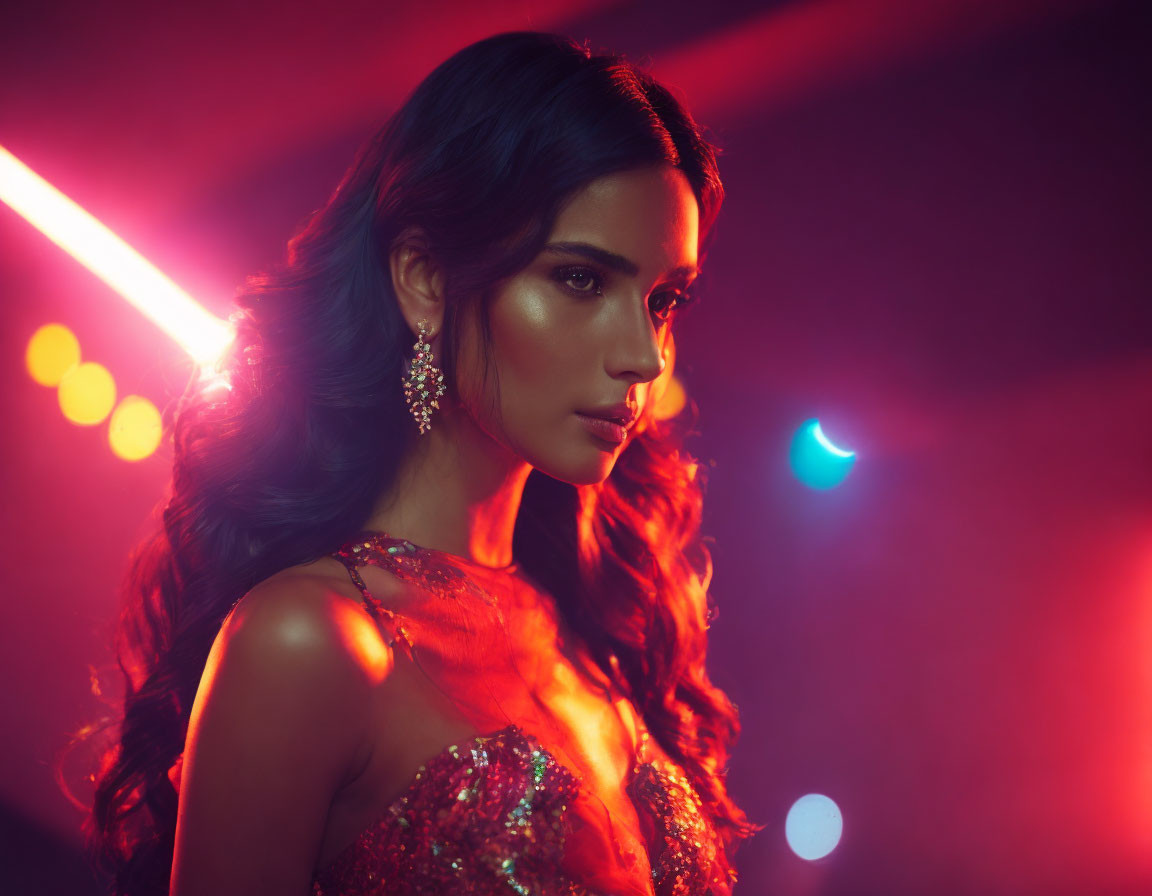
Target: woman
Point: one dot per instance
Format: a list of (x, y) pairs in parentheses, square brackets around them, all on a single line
[(419, 617)]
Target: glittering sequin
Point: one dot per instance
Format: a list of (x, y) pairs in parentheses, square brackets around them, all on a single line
[(405, 560), (495, 815), (689, 859), (487, 816), (433, 571)]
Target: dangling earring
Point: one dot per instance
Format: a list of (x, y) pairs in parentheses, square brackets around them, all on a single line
[(421, 378)]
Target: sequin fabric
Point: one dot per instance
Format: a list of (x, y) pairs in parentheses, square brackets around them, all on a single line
[(486, 816), (496, 814), (687, 858)]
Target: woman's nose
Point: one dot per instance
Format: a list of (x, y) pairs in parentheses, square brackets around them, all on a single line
[(639, 345)]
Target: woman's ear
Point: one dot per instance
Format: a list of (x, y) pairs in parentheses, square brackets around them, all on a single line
[(417, 280)]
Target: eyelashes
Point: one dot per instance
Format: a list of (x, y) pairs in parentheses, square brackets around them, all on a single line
[(563, 275), (676, 299)]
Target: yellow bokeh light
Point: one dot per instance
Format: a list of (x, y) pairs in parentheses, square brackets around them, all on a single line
[(671, 401), (135, 429), (87, 393), (52, 351)]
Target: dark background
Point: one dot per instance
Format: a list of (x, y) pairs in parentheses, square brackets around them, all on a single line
[(936, 240)]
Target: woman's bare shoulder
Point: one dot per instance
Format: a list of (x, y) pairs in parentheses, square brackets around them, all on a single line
[(281, 722), (317, 606), (323, 585)]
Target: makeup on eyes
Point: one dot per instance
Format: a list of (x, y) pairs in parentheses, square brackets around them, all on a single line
[(681, 296), (611, 260)]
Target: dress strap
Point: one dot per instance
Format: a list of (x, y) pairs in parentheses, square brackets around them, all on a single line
[(439, 573), (387, 619)]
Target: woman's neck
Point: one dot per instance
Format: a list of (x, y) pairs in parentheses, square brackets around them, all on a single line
[(458, 491)]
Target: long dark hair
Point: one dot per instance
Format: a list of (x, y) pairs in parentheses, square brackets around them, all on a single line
[(282, 465)]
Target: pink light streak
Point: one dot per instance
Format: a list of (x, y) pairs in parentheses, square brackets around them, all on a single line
[(199, 332)]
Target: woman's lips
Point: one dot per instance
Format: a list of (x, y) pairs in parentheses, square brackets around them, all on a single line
[(605, 429)]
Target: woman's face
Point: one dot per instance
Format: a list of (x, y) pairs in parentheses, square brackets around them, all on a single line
[(587, 322)]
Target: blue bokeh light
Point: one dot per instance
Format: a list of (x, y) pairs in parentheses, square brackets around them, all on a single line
[(814, 826), (815, 461)]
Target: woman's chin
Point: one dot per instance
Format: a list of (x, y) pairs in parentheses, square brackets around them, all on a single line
[(588, 472)]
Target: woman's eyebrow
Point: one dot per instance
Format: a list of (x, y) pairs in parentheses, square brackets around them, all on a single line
[(611, 259)]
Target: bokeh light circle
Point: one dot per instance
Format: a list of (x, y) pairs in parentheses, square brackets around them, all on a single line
[(52, 351), (813, 826), (135, 428), (815, 461), (671, 401), (87, 393)]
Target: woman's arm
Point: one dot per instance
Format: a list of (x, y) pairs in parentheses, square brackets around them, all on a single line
[(279, 724)]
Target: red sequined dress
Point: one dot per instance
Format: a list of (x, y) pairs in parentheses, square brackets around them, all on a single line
[(509, 811)]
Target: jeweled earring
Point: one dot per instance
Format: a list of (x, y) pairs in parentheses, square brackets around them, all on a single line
[(422, 379)]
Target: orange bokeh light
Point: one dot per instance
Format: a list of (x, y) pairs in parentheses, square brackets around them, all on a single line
[(671, 400)]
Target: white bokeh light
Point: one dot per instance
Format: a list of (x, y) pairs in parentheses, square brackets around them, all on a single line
[(813, 826)]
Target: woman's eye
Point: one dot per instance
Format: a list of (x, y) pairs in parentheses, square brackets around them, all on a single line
[(582, 277), (586, 281), (670, 301)]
